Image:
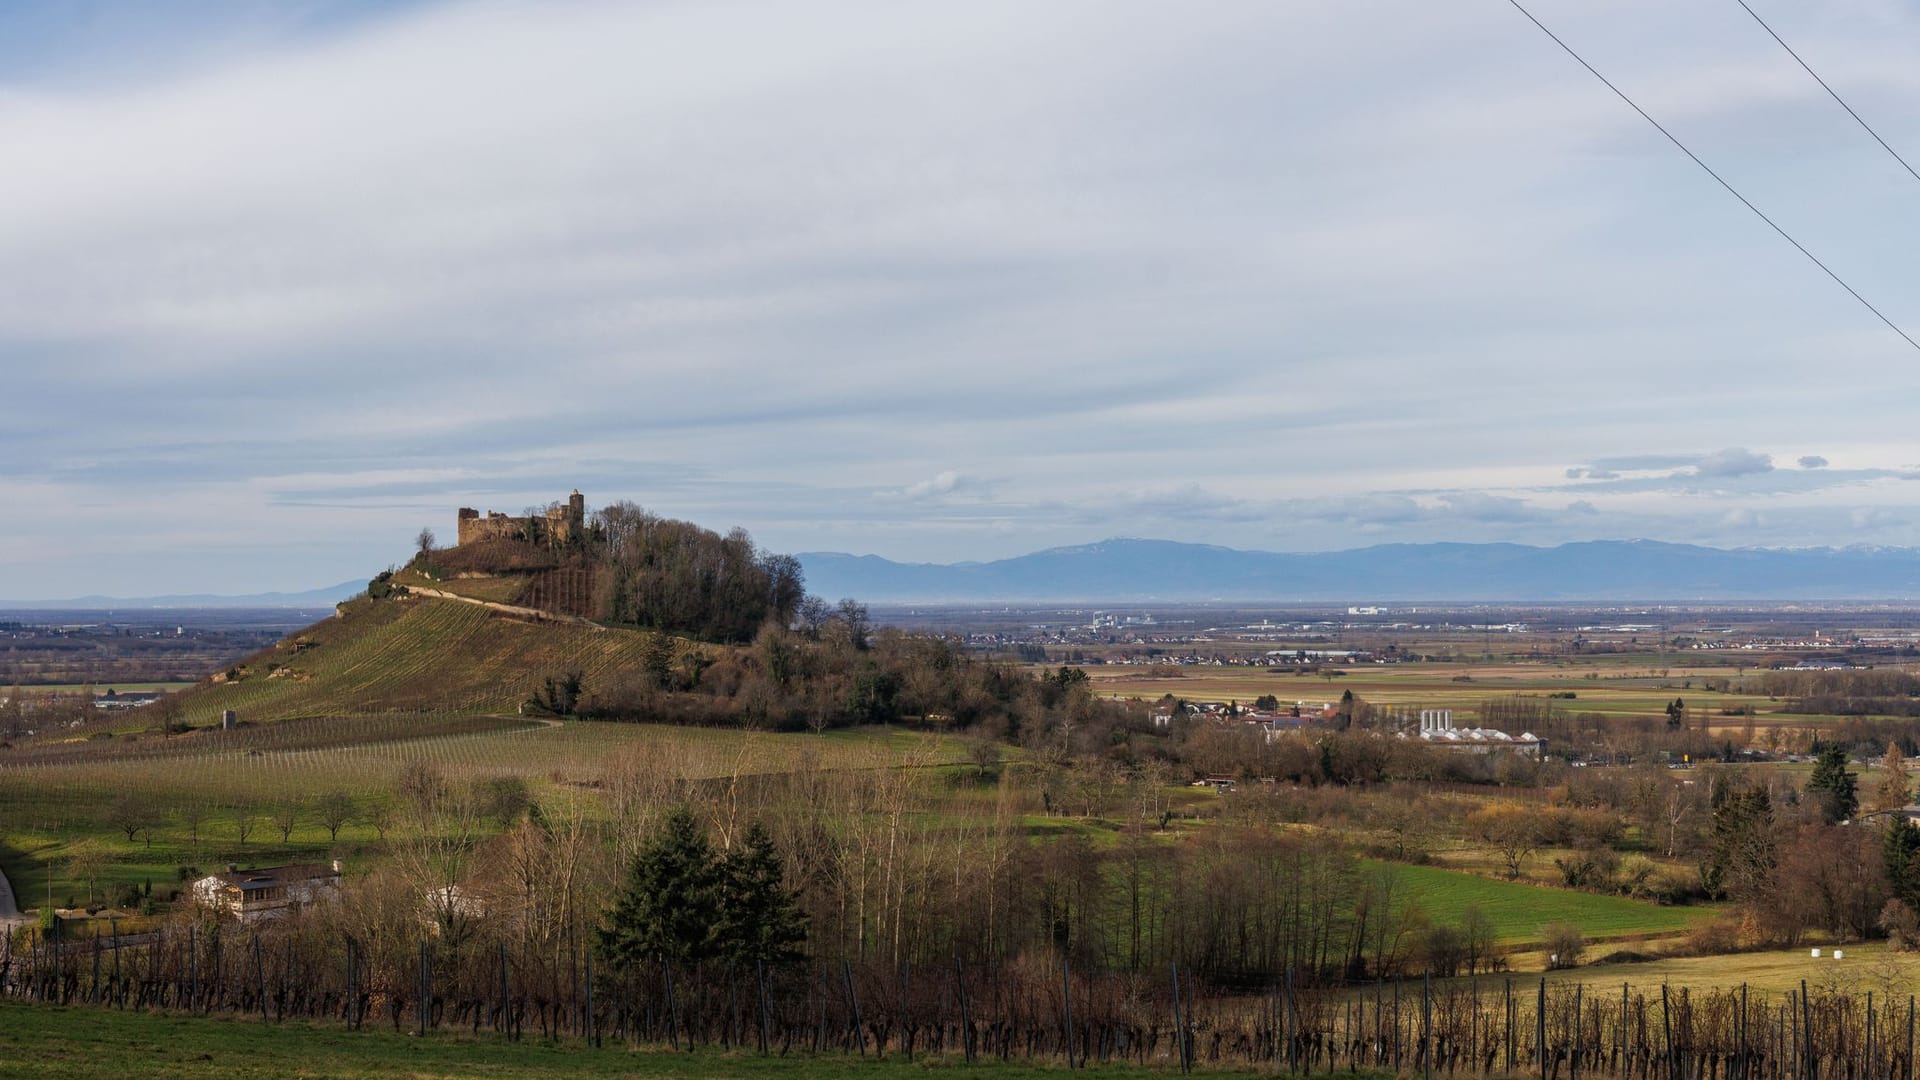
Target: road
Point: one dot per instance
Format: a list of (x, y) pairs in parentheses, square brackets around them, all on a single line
[(9, 911)]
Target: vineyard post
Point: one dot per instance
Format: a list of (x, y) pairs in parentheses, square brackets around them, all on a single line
[(259, 977), (1294, 1049), (113, 924), (420, 991), (1906, 1066), (1807, 1060), (1509, 1031), (592, 1029), (1179, 1032), (506, 999), (1868, 1055), (673, 1007), (1540, 1030), (1624, 1032), (1426, 1022), (1573, 1060), (1396, 1025), (1746, 1055), (1473, 1018), (1066, 1000), (760, 984), (193, 971), (1666, 1027), (853, 1002)]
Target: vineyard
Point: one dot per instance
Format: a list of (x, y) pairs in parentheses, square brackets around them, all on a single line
[(1031, 1008), (205, 789), (413, 654)]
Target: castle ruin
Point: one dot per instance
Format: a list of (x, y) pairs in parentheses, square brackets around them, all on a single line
[(560, 523)]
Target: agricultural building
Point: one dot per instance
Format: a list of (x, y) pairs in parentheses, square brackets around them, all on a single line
[(252, 895), (1436, 729)]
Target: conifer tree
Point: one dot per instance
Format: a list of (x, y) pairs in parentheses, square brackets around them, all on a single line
[(1835, 787), (757, 917), (666, 910), (1901, 849)]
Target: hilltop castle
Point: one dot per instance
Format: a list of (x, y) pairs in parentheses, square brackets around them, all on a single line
[(560, 523)]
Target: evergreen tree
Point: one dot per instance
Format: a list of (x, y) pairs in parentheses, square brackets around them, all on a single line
[(1741, 852), (1900, 847), (667, 908), (757, 917), (1835, 787)]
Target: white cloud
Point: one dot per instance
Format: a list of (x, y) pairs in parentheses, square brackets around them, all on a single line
[(945, 483)]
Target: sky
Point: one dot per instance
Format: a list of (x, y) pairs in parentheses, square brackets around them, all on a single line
[(281, 284)]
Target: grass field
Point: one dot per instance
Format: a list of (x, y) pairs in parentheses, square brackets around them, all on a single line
[(53, 1043), (1865, 966), (1517, 910)]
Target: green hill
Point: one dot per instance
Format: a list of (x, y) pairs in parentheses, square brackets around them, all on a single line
[(412, 653)]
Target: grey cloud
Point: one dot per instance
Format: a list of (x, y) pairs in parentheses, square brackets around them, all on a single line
[(1479, 506), (1813, 461), (364, 268), (1734, 461), (1644, 462)]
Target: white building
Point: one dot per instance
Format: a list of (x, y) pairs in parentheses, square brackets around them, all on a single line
[(266, 893), (1436, 728)]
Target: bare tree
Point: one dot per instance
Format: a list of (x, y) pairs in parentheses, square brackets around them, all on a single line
[(378, 816), (335, 809), (85, 864), (286, 816), (193, 814), (424, 543), (132, 814), (245, 821)]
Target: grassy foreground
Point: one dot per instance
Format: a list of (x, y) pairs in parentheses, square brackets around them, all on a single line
[(56, 1043)]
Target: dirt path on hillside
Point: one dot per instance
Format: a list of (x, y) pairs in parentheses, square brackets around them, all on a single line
[(506, 609)]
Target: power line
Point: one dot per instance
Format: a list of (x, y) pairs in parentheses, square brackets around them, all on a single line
[(1621, 94), (1830, 91)]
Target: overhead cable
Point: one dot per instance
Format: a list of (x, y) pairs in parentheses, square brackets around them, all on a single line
[(1788, 237)]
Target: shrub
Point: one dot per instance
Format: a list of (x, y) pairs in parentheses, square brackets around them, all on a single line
[(1564, 943), (1713, 938)]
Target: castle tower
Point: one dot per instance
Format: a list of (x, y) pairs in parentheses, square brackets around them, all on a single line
[(577, 512)]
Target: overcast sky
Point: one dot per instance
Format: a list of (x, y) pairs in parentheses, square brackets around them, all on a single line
[(280, 284)]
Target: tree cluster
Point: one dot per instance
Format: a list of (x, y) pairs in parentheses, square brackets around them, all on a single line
[(684, 903)]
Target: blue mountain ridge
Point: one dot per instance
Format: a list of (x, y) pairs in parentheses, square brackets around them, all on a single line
[(1172, 571)]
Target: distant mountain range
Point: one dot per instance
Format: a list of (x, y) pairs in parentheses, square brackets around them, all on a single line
[(1146, 571), (326, 597), (1165, 570)]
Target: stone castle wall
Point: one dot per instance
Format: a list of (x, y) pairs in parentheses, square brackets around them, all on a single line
[(560, 523)]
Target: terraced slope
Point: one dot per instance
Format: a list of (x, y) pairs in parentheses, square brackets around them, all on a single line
[(417, 653)]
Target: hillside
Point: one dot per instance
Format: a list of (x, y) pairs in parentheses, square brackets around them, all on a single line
[(412, 653)]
